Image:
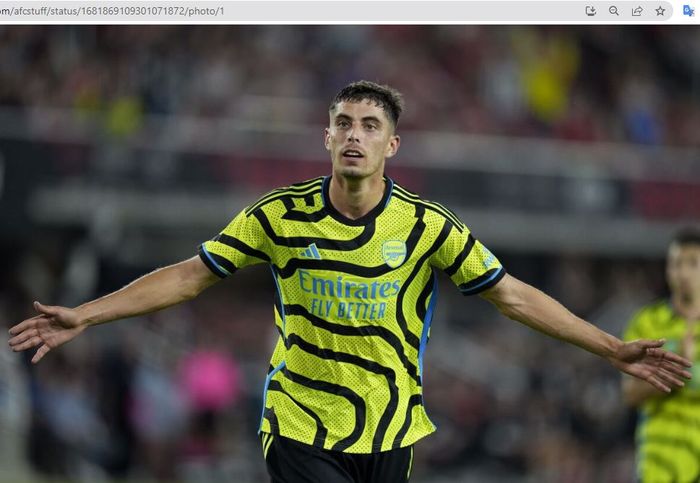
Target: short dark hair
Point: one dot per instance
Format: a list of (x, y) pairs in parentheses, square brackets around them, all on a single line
[(689, 235), (387, 98)]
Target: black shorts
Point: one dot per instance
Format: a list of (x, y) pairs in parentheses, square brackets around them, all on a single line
[(289, 461)]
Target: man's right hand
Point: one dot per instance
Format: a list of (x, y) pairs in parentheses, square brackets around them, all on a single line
[(53, 327)]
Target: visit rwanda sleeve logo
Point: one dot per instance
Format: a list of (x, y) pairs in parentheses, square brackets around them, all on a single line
[(394, 253)]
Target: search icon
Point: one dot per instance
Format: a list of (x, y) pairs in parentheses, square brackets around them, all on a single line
[(613, 10)]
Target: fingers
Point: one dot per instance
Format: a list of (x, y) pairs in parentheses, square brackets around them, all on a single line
[(663, 379), (669, 356), (656, 382), (652, 343), (25, 324), (43, 350), (669, 378), (32, 332), (45, 309), (22, 337), (675, 369), (32, 342)]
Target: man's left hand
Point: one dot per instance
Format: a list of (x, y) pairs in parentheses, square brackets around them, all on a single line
[(646, 360)]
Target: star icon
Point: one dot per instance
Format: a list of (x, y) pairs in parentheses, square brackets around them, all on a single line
[(660, 11)]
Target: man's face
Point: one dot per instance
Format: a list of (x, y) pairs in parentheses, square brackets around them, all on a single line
[(360, 136), (683, 270)]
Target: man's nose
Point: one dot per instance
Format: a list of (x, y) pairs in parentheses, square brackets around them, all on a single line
[(352, 136)]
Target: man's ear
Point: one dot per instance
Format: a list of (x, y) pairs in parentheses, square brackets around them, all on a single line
[(393, 146), (327, 139)]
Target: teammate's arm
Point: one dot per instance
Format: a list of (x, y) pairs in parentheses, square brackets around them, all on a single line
[(635, 392), (54, 326), (643, 359)]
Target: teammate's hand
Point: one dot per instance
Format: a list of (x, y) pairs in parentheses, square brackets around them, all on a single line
[(646, 360), (54, 326)]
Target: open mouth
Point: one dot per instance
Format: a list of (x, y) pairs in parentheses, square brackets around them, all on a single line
[(353, 153)]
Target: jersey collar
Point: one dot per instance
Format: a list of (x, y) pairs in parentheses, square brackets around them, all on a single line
[(363, 220)]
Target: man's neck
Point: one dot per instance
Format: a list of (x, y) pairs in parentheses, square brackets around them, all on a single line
[(354, 198)]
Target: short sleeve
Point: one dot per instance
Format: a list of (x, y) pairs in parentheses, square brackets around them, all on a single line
[(243, 242), (468, 263)]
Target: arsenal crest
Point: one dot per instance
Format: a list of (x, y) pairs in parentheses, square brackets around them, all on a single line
[(394, 252)]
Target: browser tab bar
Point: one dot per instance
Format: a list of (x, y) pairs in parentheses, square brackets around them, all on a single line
[(342, 11)]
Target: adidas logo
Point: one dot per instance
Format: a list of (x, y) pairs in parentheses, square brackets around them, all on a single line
[(311, 252)]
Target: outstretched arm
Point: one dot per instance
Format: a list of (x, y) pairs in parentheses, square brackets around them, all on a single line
[(54, 326), (643, 359)]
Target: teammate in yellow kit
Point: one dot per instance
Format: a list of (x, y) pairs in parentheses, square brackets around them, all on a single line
[(353, 256), (668, 432)]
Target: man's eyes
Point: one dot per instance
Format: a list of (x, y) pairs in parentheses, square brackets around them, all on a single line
[(367, 126)]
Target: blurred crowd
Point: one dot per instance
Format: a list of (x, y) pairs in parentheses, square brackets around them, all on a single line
[(123, 404), (607, 83)]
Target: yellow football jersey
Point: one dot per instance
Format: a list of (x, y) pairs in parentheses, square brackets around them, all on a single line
[(354, 304)]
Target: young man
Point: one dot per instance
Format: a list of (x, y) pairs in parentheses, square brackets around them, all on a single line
[(668, 433), (353, 256)]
